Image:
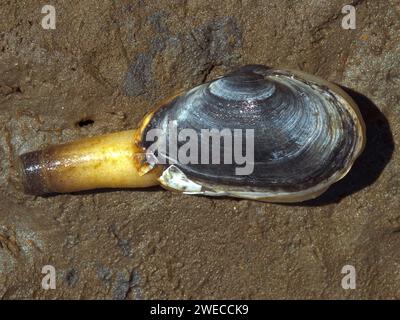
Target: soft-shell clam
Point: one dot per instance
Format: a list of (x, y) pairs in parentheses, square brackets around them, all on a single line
[(304, 134)]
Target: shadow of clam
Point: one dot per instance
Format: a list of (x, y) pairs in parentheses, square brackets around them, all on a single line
[(369, 166)]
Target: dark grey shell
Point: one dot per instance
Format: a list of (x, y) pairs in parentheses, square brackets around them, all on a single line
[(308, 133)]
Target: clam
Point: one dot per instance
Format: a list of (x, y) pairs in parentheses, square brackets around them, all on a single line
[(255, 133)]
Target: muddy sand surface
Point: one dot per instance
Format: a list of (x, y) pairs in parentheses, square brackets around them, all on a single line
[(106, 64)]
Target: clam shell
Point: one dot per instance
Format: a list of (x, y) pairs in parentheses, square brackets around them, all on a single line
[(308, 133)]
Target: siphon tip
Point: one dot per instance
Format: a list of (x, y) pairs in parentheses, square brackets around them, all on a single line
[(32, 175)]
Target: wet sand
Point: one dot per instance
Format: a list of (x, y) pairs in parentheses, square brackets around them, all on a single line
[(105, 65)]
